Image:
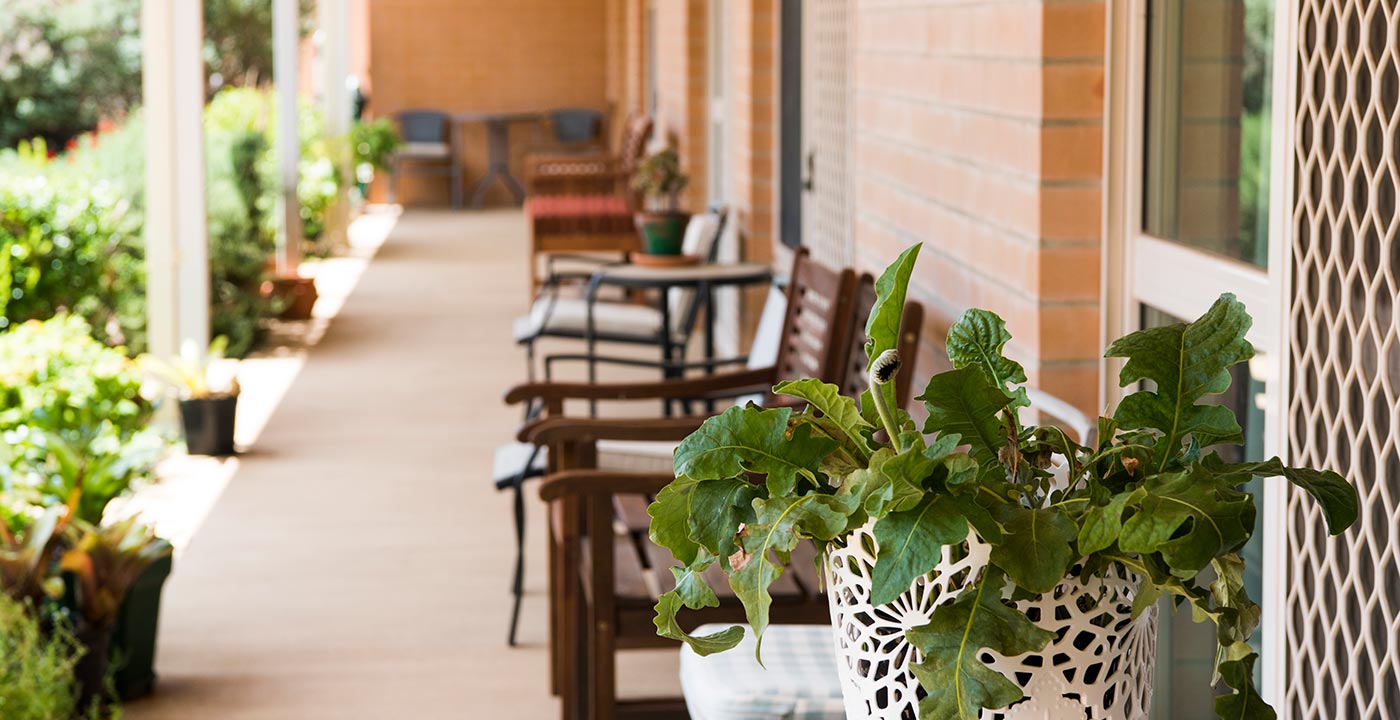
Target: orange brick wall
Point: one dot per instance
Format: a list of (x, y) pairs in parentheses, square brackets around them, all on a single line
[(979, 132), (681, 69), (485, 55)]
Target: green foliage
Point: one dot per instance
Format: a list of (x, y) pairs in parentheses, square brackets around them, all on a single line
[(238, 40), (65, 65), (660, 181), (1151, 496), (105, 561), (72, 410), (66, 245), (372, 142), (36, 667)]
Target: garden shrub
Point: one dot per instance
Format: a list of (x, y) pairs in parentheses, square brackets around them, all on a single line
[(36, 668), (63, 391), (67, 245)]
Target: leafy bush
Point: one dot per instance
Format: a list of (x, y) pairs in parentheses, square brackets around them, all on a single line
[(67, 246), (36, 667), (74, 414), (70, 228)]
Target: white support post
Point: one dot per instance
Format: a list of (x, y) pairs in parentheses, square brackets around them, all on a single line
[(334, 17), (176, 230), (286, 37)]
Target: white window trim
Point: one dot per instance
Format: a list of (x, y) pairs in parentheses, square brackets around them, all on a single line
[(1132, 271)]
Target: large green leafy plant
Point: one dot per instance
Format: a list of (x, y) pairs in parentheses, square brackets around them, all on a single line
[(1151, 495)]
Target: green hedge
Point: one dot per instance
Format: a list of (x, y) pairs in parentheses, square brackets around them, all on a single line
[(70, 228)]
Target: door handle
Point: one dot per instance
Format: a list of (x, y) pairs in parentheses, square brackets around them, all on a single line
[(809, 180)]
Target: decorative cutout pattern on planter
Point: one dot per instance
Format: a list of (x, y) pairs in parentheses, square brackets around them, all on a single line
[(1100, 667), (1343, 594)]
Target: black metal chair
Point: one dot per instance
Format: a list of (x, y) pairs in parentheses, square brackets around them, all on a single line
[(429, 148)]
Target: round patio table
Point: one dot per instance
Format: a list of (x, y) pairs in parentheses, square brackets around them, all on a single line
[(703, 278)]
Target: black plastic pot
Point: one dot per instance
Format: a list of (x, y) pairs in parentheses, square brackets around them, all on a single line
[(134, 637), (209, 424), (90, 673)]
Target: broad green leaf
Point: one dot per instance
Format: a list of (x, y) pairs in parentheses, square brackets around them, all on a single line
[(870, 485), (779, 524), (691, 587), (958, 684), (1338, 498), (962, 402), (1189, 519), (907, 472), (670, 519), (717, 510), (1245, 703), (1038, 548), (979, 518), (963, 472), (977, 340), (882, 327), (1147, 595), (748, 438), (1239, 614), (837, 409), (1099, 527), (1186, 361), (666, 626), (911, 545)]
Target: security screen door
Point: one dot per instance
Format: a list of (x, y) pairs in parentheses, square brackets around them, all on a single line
[(827, 223)]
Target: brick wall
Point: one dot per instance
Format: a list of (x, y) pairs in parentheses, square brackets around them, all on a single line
[(979, 132), (472, 55), (680, 69)]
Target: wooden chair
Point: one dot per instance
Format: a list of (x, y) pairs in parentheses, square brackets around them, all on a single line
[(580, 203), (598, 532)]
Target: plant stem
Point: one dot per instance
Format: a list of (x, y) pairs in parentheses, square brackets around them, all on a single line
[(882, 407)]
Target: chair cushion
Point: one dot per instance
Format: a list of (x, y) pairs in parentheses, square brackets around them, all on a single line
[(797, 680), (636, 456), (423, 150), (511, 459), (559, 214), (569, 316)]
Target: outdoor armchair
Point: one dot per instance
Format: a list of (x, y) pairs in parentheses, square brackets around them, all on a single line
[(598, 173)]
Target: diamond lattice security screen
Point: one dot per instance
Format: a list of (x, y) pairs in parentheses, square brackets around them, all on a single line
[(1343, 609)]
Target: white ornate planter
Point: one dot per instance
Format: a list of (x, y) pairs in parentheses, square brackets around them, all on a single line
[(1098, 668)]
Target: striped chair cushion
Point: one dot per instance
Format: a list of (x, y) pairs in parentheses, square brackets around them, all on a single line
[(797, 680), (558, 214)]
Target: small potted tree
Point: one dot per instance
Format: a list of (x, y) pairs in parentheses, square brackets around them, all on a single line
[(659, 182), (208, 405), (978, 563)]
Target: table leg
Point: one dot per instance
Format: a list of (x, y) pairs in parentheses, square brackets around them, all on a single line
[(498, 163), (708, 303)]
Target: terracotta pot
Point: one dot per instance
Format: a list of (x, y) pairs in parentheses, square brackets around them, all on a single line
[(296, 294)]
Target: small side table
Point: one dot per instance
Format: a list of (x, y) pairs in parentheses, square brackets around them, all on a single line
[(497, 151), (703, 278)]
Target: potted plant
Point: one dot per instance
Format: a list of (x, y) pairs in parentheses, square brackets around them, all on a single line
[(969, 558), (659, 181), (105, 563), (374, 142), (207, 407)]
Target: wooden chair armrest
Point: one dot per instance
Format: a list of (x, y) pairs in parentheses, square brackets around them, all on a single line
[(760, 380), (547, 431), (601, 482)]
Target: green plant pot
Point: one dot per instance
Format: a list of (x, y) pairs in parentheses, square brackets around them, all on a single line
[(662, 233), (134, 637)]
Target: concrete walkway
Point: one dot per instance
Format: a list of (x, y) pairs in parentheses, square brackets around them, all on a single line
[(357, 564)]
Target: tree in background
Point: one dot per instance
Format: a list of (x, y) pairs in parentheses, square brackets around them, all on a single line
[(65, 65)]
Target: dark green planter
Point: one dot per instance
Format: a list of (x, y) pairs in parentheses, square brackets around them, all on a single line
[(134, 637), (208, 424), (662, 233)]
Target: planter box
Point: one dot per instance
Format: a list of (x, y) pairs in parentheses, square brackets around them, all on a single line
[(208, 424), (134, 637)]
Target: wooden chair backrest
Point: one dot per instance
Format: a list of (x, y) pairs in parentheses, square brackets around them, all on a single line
[(817, 327), (910, 328), (636, 133)]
